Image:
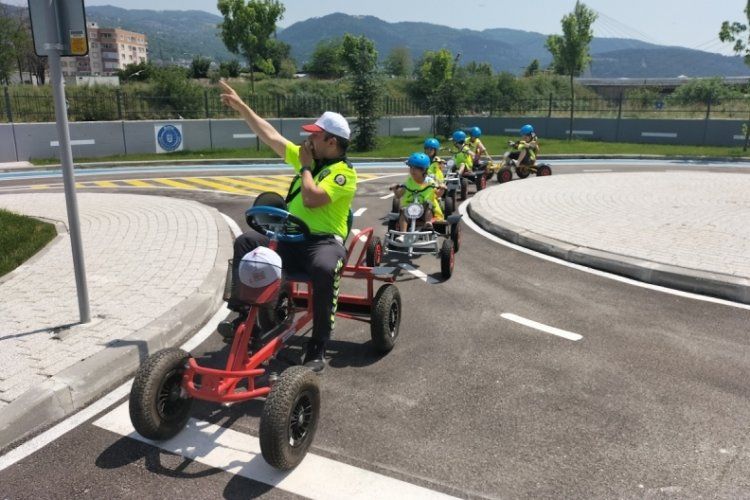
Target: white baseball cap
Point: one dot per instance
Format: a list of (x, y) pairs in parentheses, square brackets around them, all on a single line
[(260, 267), (330, 122)]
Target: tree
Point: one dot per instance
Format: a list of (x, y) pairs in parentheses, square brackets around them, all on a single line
[(280, 55), (136, 72), (398, 62), (437, 87), (733, 33), (532, 69), (229, 69), (247, 30), (361, 59), (326, 60), (570, 52), (199, 67)]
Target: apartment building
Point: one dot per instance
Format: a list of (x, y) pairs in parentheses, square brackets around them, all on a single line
[(110, 49)]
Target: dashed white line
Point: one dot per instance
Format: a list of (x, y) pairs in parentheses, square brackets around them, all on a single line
[(542, 327), (390, 195), (599, 170), (419, 274), (360, 211)]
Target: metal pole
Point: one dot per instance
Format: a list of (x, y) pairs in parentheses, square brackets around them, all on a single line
[(8, 111), (66, 159)]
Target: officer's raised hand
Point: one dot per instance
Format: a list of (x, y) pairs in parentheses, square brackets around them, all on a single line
[(229, 97)]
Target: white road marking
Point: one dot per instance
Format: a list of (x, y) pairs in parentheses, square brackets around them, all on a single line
[(238, 453), (419, 274), (355, 232), (475, 227), (390, 195), (360, 211), (542, 327), (601, 170)]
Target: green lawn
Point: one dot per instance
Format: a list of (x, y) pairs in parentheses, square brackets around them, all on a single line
[(20, 238), (401, 147)]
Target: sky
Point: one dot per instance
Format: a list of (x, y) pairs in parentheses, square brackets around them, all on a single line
[(694, 24)]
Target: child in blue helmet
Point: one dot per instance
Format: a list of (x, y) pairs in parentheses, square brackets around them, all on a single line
[(419, 187), (525, 150), (475, 145), (435, 170), (462, 154)]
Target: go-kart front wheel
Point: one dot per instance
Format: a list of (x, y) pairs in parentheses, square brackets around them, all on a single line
[(456, 236), (447, 258), (159, 408), (450, 205), (543, 170), (290, 418), (481, 182), (374, 252), (385, 318), (464, 189), (504, 175)]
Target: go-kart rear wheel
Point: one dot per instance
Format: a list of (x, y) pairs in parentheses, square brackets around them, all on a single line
[(504, 175), (290, 418), (464, 189), (395, 205), (456, 236), (374, 252), (481, 182), (385, 318), (522, 171), (447, 258), (543, 170), (159, 408), (282, 311), (450, 206)]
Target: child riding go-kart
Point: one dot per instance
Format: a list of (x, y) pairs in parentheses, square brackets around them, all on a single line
[(168, 381), (412, 229), (481, 157), (522, 158), (448, 198), (462, 170)]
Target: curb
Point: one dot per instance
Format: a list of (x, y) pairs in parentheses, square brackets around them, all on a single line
[(77, 386), (718, 285)]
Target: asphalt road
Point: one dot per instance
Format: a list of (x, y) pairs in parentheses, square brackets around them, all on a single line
[(652, 401)]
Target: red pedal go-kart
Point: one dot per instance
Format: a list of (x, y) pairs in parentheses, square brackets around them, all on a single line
[(168, 381), (508, 165)]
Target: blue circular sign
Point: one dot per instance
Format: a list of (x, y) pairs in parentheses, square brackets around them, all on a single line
[(169, 138)]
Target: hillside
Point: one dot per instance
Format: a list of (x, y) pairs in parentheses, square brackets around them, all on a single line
[(180, 35)]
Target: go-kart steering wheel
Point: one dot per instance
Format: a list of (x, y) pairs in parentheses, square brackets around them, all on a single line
[(277, 223)]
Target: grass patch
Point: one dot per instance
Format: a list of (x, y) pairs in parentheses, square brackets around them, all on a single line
[(401, 147), (20, 238)]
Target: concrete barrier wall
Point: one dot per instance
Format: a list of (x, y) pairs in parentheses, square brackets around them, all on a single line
[(24, 141), (7, 144)]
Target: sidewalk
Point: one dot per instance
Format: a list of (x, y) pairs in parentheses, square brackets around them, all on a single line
[(155, 269), (683, 230)]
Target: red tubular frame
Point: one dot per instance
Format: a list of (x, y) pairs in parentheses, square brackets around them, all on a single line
[(221, 386)]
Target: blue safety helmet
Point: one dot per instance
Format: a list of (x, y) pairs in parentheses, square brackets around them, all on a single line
[(418, 160), (459, 136), (527, 130), (475, 132), (432, 143)]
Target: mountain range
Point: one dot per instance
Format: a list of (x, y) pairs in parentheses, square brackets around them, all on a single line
[(181, 35)]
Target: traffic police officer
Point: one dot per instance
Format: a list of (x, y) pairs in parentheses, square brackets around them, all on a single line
[(321, 195)]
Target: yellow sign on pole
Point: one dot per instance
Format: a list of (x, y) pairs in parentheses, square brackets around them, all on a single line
[(78, 43)]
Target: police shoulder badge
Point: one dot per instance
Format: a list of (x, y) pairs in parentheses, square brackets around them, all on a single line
[(340, 179)]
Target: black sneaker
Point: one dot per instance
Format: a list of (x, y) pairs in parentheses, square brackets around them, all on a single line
[(315, 356), (227, 327)]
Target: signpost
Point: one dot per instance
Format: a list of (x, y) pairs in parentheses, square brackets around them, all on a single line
[(59, 29)]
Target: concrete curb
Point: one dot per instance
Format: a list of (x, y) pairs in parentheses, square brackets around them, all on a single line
[(80, 384), (690, 280)]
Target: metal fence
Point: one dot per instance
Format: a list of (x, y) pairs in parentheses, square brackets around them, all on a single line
[(100, 104)]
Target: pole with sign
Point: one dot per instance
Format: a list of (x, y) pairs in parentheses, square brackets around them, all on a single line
[(59, 29)]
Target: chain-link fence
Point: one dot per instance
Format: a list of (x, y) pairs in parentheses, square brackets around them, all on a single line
[(102, 104)]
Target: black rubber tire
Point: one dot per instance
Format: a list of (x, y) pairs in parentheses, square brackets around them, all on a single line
[(450, 206), (504, 175), (543, 170), (374, 255), (395, 205), (464, 189), (447, 257), (522, 171), (385, 318), (284, 435), (270, 316), (456, 236), (156, 409), (455, 199)]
